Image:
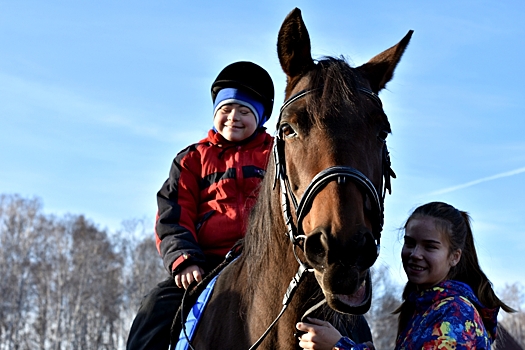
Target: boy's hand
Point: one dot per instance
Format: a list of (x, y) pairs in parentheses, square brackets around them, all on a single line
[(188, 275)]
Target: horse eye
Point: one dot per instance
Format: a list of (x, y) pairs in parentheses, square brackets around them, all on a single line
[(383, 134), (287, 130)]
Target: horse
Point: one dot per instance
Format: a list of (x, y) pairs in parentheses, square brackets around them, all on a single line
[(319, 214)]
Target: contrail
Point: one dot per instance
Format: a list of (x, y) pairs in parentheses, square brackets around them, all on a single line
[(475, 182)]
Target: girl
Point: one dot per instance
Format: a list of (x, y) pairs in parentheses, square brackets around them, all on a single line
[(448, 302)]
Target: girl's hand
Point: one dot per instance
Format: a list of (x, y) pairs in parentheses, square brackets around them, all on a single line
[(188, 275), (320, 335), (370, 345)]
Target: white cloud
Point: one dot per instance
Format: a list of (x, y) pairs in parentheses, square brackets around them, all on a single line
[(475, 182)]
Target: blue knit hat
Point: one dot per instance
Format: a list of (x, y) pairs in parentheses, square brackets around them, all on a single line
[(232, 95)]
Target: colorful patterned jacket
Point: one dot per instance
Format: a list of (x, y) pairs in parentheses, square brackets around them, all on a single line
[(203, 206), (447, 316)]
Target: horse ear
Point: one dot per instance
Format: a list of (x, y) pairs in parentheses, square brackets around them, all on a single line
[(293, 45), (380, 69)]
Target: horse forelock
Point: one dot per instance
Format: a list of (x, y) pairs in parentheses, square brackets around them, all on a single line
[(335, 84)]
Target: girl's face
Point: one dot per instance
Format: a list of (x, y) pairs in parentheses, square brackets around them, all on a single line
[(235, 122), (426, 253)]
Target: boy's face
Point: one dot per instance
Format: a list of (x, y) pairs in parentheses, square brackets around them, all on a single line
[(235, 122)]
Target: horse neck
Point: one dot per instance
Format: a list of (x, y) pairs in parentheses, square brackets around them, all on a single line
[(269, 265)]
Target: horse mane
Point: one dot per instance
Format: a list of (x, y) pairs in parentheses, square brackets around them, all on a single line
[(265, 224)]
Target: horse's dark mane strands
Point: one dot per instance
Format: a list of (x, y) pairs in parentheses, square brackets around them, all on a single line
[(338, 93)]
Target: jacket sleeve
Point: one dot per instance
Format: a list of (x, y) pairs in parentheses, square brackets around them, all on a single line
[(346, 343), (177, 203)]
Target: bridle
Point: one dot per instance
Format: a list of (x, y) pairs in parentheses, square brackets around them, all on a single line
[(339, 173)]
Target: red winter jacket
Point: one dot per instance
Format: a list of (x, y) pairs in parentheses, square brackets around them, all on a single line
[(203, 206)]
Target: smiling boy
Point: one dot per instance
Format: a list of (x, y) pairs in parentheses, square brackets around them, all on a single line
[(203, 206)]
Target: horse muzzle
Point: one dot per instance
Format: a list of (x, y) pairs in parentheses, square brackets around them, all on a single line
[(342, 270)]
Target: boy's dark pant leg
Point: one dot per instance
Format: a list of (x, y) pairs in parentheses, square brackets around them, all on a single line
[(152, 325)]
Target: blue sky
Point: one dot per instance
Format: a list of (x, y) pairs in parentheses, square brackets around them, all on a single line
[(97, 97)]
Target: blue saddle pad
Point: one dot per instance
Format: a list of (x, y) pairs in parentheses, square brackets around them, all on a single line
[(194, 316)]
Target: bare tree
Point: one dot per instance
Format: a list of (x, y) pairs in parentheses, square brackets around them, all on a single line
[(19, 220), (94, 287), (65, 283), (44, 269), (514, 323), (143, 269), (386, 298)]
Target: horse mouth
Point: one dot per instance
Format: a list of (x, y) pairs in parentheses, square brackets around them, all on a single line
[(356, 299), (356, 303)]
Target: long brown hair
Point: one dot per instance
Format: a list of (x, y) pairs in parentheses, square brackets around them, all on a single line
[(456, 224)]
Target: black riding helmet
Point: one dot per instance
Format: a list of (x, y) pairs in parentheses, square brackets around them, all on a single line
[(247, 76)]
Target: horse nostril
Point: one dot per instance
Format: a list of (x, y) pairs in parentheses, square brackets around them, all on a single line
[(315, 249), (367, 251)]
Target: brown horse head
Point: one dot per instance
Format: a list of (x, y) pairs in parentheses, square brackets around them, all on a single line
[(331, 146)]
